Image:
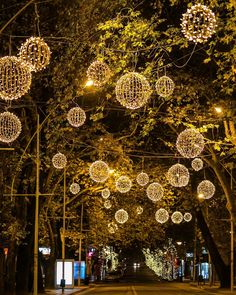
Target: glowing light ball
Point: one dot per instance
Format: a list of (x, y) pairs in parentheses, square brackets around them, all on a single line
[(74, 188), (15, 78), (197, 164), (107, 204), (106, 193), (36, 53), (99, 73), (178, 175), (155, 191), (59, 161), (133, 90), (121, 216), (165, 86), (198, 23), (99, 171), (162, 215), (206, 189), (112, 227), (190, 143), (142, 179), (10, 127), (76, 117), (123, 184), (177, 217), (187, 217), (139, 210)]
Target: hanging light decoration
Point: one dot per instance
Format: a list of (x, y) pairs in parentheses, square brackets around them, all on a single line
[(155, 191), (206, 189), (107, 204), (142, 178), (178, 175), (99, 73), (121, 216), (187, 217), (99, 171), (190, 143), (162, 215), (197, 164), (10, 127), (76, 117), (74, 188), (198, 23), (59, 161), (139, 210), (112, 227), (15, 78), (165, 86), (36, 53), (133, 90), (177, 217), (106, 193), (123, 184)]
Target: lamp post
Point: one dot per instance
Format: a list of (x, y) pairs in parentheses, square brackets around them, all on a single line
[(80, 240)]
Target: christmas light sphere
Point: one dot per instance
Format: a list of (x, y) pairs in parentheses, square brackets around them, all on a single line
[(198, 23), (197, 164), (139, 210), (121, 216), (15, 78), (165, 86), (187, 217), (59, 161), (206, 189), (142, 179), (155, 191), (74, 188), (177, 217), (10, 127), (162, 215), (133, 90), (99, 73), (107, 204), (112, 227), (178, 175), (36, 53), (123, 184), (106, 193), (99, 171), (76, 117), (190, 143)]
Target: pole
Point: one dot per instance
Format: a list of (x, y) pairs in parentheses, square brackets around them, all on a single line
[(195, 251), (80, 240), (232, 255), (63, 232)]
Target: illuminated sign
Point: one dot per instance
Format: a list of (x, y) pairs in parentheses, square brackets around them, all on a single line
[(68, 273)]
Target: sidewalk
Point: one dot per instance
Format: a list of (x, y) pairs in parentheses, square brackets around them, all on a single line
[(74, 291), (215, 289)]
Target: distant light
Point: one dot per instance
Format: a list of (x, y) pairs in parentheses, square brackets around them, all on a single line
[(89, 83), (218, 110), (179, 243), (200, 196), (111, 171)]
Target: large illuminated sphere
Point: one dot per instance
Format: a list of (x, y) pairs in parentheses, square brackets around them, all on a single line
[(206, 189), (190, 143), (15, 78), (76, 117), (187, 217), (178, 175), (10, 127), (99, 171), (198, 23), (123, 184), (107, 204), (106, 193), (162, 215), (59, 161), (197, 164), (142, 179), (155, 191), (121, 216), (99, 73), (139, 210), (36, 53), (133, 90), (74, 188), (177, 217), (165, 86)]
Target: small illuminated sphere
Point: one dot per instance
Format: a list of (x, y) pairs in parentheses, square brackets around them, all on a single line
[(76, 117), (162, 215), (123, 184), (142, 179), (121, 216), (206, 189), (198, 23), (99, 171), (165, 86), (15, 78), (10, 127), (106, 193), (178, 175), (133, 90), (99, 73), (155, 191), (36, 53), (112, 227), (187, 217), (59, 161), (197, 164), (74, 188), (107, 204), (139, 210), (177, 217), (190, 143)]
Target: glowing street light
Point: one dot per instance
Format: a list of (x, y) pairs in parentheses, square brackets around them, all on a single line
[(219, 110), (89, 83)]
